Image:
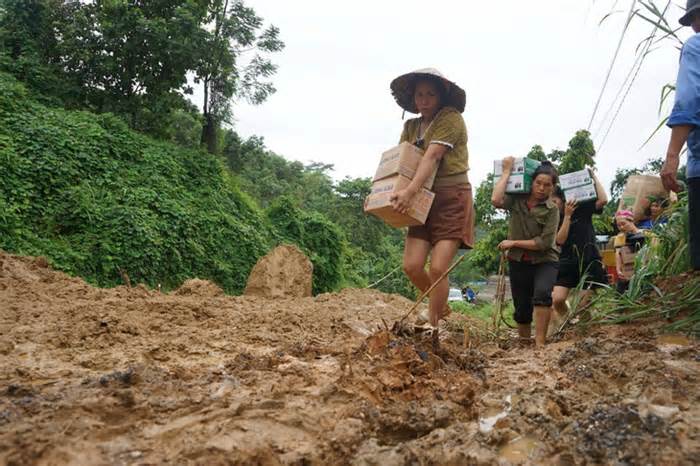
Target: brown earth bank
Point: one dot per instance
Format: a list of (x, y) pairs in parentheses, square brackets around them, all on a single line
[(136, 377)]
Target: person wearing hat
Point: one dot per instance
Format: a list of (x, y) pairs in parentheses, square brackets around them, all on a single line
[(441, 133), (684, 121)]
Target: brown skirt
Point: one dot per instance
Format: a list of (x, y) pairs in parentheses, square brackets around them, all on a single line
[(450, 217)]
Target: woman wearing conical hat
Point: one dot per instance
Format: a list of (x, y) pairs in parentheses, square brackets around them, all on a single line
[(441, 133)]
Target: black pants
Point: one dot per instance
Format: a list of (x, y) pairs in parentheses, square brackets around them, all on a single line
[(622, 285), (531, 285), (694, 221)]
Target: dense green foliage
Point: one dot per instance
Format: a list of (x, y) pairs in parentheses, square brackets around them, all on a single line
[(319, 238), (133, 59), (371, 249), (95, 197)]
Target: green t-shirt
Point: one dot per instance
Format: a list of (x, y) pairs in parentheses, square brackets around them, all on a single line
[(539, 223), (447, 129)]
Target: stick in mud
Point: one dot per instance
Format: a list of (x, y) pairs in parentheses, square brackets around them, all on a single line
[(125, 277), (427, 292)]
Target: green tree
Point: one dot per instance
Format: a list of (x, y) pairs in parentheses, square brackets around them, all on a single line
[(29, 46), (537, 153), (235, 33), (133, 57), (579, 155), (491, 227)]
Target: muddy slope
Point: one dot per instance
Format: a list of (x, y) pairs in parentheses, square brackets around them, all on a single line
[(132, 376)]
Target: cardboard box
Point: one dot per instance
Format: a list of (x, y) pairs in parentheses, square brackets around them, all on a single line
[(581, 193), (378, 203), (402, 160), (628, 258), (518, 184), (520, 166), (608, 256), (638, 189), (575, 179)]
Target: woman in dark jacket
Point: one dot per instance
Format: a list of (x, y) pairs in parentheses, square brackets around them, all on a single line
[(533, 256)]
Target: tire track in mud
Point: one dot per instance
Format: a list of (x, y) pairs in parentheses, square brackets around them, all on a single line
[(133, 376)]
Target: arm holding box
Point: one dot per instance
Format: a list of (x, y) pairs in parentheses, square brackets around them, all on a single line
[(401, 200), (601, 195), (563, 232), (499, 190)]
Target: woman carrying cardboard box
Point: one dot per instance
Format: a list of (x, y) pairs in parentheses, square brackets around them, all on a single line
[(533, 256), (579, 257), (439, 131), (627, 244)]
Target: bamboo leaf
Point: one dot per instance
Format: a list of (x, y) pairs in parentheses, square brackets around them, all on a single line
[(609, 15), (656, 23), (661, 125)]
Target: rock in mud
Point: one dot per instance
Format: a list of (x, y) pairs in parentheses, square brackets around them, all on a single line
[(284, 273), (125, 378), (199, 288)]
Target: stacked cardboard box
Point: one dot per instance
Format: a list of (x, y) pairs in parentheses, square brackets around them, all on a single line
[(520, 179), (578, 186), (397, 168)]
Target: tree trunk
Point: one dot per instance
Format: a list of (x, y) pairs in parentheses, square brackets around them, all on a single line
[(209, 133)]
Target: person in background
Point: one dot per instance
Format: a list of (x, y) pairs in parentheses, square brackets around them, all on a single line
[(654, 213), (684, 121), (627, 244), (533, 256), (469, 294), (441, 133), (579, 255)]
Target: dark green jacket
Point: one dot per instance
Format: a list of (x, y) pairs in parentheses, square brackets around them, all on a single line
[(539, 223)]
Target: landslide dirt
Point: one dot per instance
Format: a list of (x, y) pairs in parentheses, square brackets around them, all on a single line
[(137, 377)]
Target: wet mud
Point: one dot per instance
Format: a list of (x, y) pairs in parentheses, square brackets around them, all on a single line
[(131, 376)]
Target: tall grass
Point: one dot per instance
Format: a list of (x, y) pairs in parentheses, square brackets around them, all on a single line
[(661, 286)]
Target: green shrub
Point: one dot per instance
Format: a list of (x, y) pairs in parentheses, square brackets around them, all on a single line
[(317, 236), (95, 197)]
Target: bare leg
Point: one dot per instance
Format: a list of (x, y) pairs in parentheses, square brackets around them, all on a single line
[(440, 258), (524, 332), (559, 296), (415, 255), (541, 316)]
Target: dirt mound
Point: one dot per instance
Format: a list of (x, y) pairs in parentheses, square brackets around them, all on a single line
[(132, 376), (199, 288), (284, 272)]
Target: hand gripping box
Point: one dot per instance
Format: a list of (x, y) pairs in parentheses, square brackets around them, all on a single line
[(402, 160), (378, 202), (520, 179), (521, 166)]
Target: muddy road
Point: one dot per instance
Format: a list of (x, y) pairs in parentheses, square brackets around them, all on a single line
[(137, 377)]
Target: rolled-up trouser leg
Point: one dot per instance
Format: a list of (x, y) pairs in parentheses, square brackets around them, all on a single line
[(545, 276), (694, 221), (522, 285)]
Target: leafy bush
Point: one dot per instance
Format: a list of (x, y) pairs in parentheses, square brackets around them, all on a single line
[(319, 238), (95, 197)]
